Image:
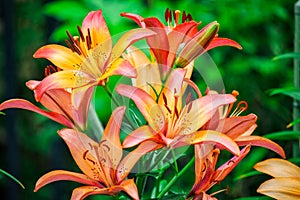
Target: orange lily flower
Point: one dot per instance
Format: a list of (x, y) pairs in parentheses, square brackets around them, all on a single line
[(286, 181), (171, 125), (101, 162), (59, 105), (90, 59), (206, 157), (165, 44), (239, 128)]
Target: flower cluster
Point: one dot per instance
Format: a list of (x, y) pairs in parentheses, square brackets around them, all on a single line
[(176, 112)]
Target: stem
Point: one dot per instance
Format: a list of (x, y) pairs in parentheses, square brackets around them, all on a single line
[(175, 161), (175, 178)]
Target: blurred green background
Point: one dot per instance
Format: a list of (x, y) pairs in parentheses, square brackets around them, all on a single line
[(29, 145)]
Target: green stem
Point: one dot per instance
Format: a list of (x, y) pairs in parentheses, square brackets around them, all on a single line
[(175, 161), (175, 178)]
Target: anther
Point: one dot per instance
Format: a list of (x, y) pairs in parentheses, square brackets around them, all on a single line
[(168, 17), (176, 16), (183, 17), (80, 33), (189, 107)]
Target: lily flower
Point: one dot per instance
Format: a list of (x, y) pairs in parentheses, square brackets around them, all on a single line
[(59, 105), (104, 170), (90, 59), (285, 183), (240, 128), (179, 44), (206, 174), (169, 123)]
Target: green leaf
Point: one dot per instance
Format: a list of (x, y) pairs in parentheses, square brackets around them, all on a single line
[(2, 113), (283, 135), (287, 55), (254, 198), (291, 92), (246, 175), (12, 177)]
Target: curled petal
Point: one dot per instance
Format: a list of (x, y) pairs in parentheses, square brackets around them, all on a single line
[(271, 166), (226, 168), (24, 104), (62, 175), (60, 56), (281, 188), (260, 141), (136, 18), (210, 137), (216, 42)]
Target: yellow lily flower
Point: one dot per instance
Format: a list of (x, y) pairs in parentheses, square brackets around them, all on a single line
[(90, 59), (285, 183)]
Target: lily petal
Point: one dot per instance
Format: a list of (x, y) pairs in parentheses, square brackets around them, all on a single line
[(194, 115), (137, 136), (119, 67), (63, 79), (158, 43), (281, 188), (226, 168), (80, 145), (24, 104), (210, 137), (278, 168), (147, 106), (236, 126), (217, 42), (96, 23), (111, 135), (254, 140), (127, 186), (136, 18), (131, 159), (60, 56), (62, 175), (128, 39)]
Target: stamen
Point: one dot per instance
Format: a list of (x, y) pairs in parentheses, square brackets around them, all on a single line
[(50, 69), (189, 17), (168, 17), (175, 103), (89, 37), (235, 93), (70, 46), (183, 17), (204, 167), (176, 16), (241, 107), (188, 98), (80, 33), (166, 103), (189, 107)]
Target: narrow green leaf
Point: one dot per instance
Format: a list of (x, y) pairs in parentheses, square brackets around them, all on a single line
[(246, 175), (291, 92), (293, 123), (2, 113), (287, 55), (283, 135), (254, 198), (12, 177)]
